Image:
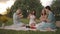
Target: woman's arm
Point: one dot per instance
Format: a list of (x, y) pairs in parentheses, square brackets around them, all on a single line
[(20, 15)]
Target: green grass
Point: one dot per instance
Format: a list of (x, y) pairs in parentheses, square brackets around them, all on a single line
[(26, 21), (26, 32)]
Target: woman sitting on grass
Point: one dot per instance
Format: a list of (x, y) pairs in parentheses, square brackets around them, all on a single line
[(32, 17), (43, 20), (16, 18), (47, 21)]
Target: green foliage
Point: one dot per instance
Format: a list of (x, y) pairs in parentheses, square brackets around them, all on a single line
[(6, 20), (3, 19), (26, 5), (56, 9)]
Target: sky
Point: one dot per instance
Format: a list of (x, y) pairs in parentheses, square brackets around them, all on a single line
[(46, 2), (4, 4)]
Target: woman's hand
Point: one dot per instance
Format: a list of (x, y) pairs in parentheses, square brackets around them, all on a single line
[(20, 15), (48, 20)]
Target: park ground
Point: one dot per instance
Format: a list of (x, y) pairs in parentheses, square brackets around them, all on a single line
[(4, 31)]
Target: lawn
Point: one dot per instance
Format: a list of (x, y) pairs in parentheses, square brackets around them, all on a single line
[(26, 32), (2, 31)]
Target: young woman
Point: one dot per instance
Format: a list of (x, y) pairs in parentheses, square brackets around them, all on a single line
[(43, 17), (32, 17), (16, 18), (47, 24), (51, 19), (43, 20)]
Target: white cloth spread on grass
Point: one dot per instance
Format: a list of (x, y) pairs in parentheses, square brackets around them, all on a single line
[(17, 28)]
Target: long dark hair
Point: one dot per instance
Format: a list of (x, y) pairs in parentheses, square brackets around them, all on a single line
[(48, 7), (34, 12)]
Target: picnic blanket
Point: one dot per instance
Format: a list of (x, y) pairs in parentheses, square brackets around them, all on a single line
[(18, 28)]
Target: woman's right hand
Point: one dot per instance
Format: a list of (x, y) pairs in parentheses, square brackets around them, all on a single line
[(47, 20)]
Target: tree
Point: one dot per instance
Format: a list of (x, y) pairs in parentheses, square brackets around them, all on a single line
[(7, 12), (26, 5), (56, 8)]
